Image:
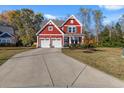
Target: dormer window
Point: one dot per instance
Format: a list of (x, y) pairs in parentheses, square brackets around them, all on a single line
[(50, 28), (72, 21)]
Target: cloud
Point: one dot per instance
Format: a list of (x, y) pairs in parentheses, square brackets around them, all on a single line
[(111, 19), (107, 21), (49, 16), (112, 7)]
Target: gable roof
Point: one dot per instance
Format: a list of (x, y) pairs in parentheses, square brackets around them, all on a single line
[(45, 24), (72, 16), (57, 22), (5, 35), (1, 32)]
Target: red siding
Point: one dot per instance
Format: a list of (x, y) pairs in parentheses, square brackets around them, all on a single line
[(45, 30), (64, 28), (51, 34), (68, 23)]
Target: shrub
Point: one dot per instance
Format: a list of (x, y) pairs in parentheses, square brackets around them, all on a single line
[(34, 46), (72, 46), (7, 45), (66, 45)]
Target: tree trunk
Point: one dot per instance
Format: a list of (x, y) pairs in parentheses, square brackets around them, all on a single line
[(97, 34)]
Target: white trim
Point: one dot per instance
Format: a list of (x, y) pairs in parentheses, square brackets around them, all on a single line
[(50, 34), (45, 38), (50, 27), (72, 25), (74, 18), (7, 33), (63, 41), (37, 42), (50, 21)]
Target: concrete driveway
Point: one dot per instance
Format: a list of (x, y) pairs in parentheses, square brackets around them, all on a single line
[(51, 68)]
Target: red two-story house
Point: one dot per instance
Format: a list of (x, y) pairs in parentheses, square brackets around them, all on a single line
[(58, 36)]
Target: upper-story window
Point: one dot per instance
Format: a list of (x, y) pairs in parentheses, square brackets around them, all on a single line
[(72, 29), (50, 28), (72, 21)]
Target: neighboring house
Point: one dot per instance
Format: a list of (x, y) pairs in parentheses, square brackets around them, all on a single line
[(58, 36), (7, 35)]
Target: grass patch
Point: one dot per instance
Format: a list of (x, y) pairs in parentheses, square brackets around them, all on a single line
[(108, 60), (8, 52)]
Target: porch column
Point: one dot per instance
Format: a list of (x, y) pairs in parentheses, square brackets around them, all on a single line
[(37, 42), (73, 38), (78, 40), (82, 39), (69, 40)]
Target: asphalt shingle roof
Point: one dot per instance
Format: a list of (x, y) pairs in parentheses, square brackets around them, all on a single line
[(57, 22), (6, 29), (1, 32)]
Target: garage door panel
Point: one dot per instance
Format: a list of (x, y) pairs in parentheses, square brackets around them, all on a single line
[(45, 42), (57, 42)]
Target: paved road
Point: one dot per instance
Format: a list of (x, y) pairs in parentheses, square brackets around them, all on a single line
[(51, 68)]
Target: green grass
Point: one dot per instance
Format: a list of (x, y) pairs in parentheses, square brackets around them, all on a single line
[(108, 60), (8, 52)]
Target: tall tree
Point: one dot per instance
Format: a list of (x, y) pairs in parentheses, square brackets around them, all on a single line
[(105, 37), (86, 18), (98, 17), (38, 19), (25, 22), (121, 21), (118, 31)]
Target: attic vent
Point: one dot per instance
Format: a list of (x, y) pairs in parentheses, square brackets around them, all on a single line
[(50, 28), (50, 23), (72, 21)]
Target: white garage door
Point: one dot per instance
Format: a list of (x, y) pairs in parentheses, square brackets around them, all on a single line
[(56, 42), (45, 42)]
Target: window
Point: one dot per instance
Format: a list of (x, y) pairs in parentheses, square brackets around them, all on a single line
[(69, 29), (50, 28), (8, 41), (3, 41), (72, 29)]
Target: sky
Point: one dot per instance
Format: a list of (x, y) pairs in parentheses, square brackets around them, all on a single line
[(112, 13)]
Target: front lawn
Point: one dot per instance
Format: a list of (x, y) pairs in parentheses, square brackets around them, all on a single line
[(108, 60), (7, 52)]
